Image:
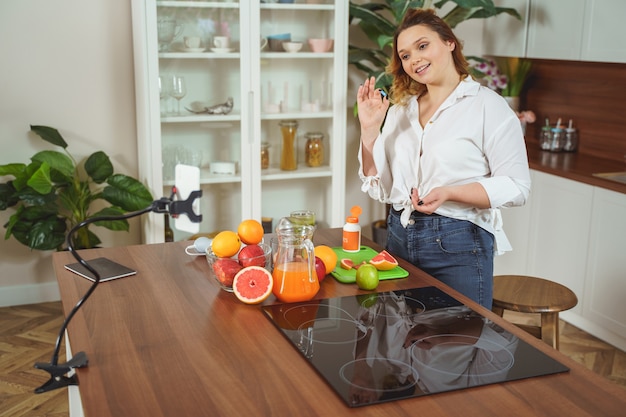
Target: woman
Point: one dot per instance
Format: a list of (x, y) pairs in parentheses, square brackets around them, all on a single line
[(450, 153)]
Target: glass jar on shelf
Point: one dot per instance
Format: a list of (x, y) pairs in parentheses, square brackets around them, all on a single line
[(265, 155), (288, 160), (314, 149)]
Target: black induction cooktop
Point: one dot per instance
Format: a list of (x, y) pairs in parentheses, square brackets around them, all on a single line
[(393, 345)]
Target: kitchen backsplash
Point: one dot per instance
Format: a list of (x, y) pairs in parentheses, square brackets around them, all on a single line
[(592, 94)]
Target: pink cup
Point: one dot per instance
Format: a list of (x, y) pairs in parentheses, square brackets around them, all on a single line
[(321, 45)]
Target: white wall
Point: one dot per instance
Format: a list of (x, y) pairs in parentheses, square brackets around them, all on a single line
[(67, 64)]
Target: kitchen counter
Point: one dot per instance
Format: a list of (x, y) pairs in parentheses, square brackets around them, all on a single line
[(169, 342), (575, 166)]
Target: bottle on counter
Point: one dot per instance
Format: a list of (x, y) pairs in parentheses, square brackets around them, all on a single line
[(571, 138), (558, 137), (351, 239), (545, 138), (169, 233)]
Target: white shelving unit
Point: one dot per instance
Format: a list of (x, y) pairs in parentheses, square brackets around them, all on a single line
[(259, 80)]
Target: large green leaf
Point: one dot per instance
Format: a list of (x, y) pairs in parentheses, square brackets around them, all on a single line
[(372, 23), (57, 161), (117, 225), (37, 227), (99, 167), (126, 192), (40, 180), (15, 169), (31, 197), (8, 198), (21, 180), (85, 239), (369, 59), (400, 7), (49, 134), (483, 14)]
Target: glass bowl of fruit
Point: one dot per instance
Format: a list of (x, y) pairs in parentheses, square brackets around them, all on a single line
[(225, 269)]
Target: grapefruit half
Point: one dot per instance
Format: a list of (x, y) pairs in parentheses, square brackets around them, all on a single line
[(253, 284), (384, 261)]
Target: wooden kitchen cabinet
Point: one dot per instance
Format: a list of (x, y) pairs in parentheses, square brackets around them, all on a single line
[(573, 233), (504, 35), (555, 29), (604, 31), (267, 86), (605, 288), (559, 231), (548, 237), (516, 226), (577, 30)]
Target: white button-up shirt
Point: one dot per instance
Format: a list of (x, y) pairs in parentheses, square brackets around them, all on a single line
[(474, 136)]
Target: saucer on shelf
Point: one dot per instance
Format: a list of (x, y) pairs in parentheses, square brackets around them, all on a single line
[(193, 49), (222, 50)]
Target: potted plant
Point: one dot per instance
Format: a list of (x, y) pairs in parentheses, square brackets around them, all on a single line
[(53, 193)]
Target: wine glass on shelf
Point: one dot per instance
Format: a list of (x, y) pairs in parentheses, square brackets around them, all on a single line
[(163, 93), (179, 90)]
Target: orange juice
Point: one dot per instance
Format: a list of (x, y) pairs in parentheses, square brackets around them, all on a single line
[(294, 282)]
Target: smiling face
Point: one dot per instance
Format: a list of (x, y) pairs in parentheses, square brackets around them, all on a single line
[(425, 57)]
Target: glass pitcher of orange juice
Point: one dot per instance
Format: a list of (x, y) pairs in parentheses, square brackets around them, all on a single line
[(294, 273)]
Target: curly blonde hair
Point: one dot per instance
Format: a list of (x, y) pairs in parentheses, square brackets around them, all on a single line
[(403, 86)]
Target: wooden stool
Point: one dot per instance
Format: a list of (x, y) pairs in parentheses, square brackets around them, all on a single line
[(533, 295)]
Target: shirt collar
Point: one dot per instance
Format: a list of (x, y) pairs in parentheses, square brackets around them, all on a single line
[(466, 87)]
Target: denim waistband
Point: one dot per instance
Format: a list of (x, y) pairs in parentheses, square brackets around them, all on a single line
[(414, 213)]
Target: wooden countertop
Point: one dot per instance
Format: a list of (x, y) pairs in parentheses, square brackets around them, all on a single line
[(169, 342), (575, 166)]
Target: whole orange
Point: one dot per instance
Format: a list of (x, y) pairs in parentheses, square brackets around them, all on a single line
[(250, 232), (225, 244), (328, 256)]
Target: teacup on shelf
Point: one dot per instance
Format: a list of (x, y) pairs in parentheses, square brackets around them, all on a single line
[(292, 46), (275, 42), (321, 44)]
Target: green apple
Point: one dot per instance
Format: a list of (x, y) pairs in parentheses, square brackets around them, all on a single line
[(367, 277)]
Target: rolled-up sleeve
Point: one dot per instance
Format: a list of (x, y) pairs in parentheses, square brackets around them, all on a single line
[(509, 183)]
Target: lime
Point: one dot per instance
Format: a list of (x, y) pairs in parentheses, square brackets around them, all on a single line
[(367, 277)]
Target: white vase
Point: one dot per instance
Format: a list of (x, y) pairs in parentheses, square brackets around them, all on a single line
[(513, 102)]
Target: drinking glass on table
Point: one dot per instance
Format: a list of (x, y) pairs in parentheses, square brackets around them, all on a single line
[(305, 217), (178, 90)]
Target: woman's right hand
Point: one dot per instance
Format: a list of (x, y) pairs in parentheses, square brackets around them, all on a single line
[(371, 110)]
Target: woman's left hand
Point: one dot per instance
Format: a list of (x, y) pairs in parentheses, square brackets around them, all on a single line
[(431, 202), (472, 194)]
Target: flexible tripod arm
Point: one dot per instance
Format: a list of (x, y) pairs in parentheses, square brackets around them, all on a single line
[(58, 371)]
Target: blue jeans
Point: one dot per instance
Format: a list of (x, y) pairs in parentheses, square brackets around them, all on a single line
[(456, 252)]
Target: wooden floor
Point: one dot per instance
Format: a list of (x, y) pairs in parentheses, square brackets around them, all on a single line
[(28, 334)]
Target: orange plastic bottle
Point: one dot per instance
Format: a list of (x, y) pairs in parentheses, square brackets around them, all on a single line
[(351, 240)]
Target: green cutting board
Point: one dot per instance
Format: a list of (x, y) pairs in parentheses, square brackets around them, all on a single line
[(364, 254)]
